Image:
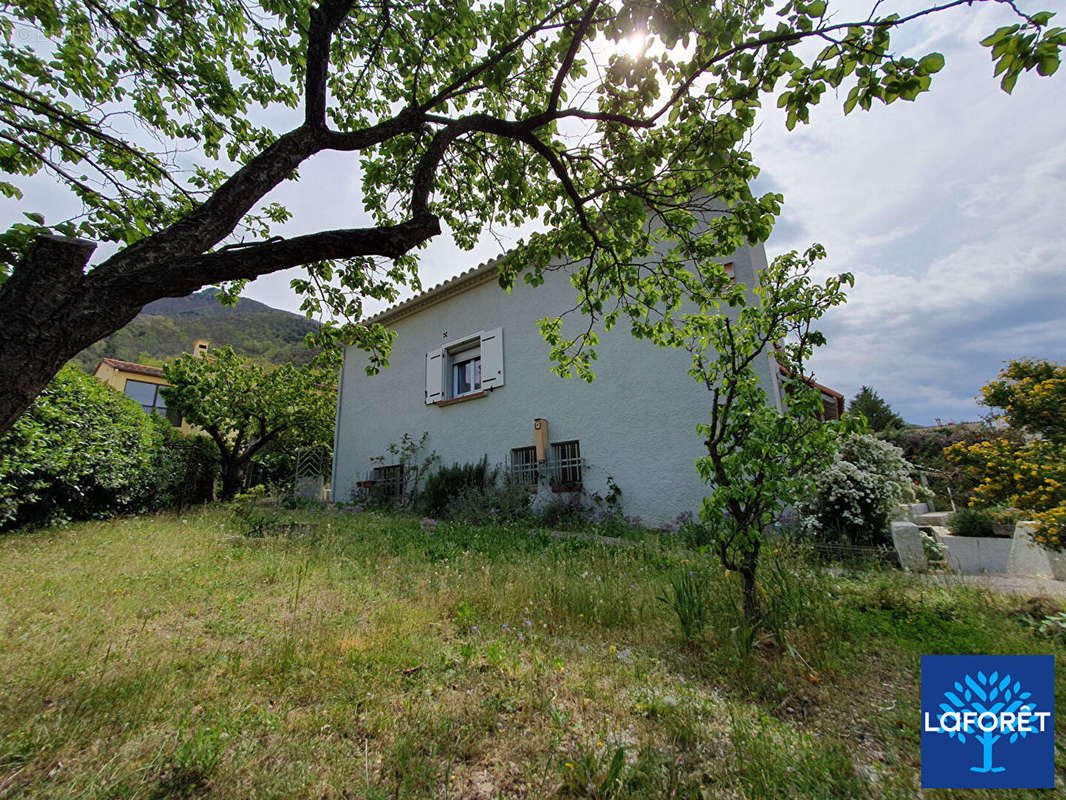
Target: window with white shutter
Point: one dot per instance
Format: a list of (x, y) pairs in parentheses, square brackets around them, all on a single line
[(434, 377), (465, 367), (492, 358)]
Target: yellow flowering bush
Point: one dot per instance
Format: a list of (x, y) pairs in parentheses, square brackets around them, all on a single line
[(1028, 476)]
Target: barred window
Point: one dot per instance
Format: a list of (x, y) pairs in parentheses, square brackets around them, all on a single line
[(566, 463), (389, 480), (524, 466)]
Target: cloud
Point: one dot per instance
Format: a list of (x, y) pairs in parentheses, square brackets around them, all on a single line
[(948, 211)]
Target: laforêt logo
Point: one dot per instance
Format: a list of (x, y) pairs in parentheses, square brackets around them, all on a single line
[(988, 722)]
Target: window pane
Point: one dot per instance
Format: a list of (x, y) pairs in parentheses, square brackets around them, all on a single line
[(466, 376), (142, 392)]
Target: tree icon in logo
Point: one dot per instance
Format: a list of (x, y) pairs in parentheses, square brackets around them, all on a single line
[(987, 709)]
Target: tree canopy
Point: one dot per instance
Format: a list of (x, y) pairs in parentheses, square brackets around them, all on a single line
[(1032, 395), (879, 414), (1026, 475), (584, 116), (244, 407)]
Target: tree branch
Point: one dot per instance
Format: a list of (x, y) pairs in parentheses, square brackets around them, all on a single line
[(325, 19)]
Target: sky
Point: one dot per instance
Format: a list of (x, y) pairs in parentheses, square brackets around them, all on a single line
[(950, 212)]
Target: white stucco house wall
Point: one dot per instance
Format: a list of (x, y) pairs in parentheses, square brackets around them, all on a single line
[(469, 367)]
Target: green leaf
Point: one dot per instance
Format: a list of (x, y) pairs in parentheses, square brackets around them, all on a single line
[(934, 62), (34, 216), (1048, 65)]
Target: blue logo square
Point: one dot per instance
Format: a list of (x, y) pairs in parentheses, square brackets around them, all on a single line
[(988, 722)]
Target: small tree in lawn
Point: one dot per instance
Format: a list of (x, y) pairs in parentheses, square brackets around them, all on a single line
[(878, 413), (244, 407), (759, 459)]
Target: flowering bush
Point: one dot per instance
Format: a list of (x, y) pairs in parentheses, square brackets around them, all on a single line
[(855, 496), (1028, 476)]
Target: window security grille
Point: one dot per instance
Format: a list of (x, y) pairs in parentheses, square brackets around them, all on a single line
[(564, 468), (524, 466)]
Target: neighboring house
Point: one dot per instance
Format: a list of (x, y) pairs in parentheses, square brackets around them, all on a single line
[(832, 400), (142, 382), (469, 367)]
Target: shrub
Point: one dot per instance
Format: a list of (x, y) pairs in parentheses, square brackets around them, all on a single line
[(856, 495), (448, 484), (506, 503), (925, 448), (84, 451), (971, 522)]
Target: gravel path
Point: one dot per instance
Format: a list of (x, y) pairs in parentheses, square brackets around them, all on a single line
[(1033, 587)]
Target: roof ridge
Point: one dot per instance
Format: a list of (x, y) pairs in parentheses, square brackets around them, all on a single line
[(454, 282)]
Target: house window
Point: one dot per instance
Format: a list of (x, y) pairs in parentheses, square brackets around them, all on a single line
[(388, 481), (465, 367), (465, 371), (524, 466), (565, 465), (151, 400), (728, 267)]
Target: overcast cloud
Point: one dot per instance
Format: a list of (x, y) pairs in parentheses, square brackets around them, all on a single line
[(950, 212)]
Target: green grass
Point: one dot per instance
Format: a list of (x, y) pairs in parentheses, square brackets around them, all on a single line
[(170, 657)]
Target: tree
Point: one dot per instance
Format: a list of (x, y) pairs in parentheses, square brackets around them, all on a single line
[(760, 458), (244, 407), (879, 414), (1030, 476), (1032, 395), (464, 115)]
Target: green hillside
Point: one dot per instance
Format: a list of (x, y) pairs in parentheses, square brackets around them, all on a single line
[(167, 328)]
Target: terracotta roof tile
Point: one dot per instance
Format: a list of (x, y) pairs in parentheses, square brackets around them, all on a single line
[(129, 366)]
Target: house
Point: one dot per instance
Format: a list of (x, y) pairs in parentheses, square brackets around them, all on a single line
[(832, 400), (469, 369), (142, 382)]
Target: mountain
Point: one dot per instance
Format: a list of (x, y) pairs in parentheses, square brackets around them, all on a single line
[(167, 328)]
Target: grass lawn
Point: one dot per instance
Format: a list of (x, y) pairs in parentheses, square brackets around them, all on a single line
[(170, 657)]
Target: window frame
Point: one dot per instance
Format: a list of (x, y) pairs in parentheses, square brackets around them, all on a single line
[(565, 478), (525, 469), (159, 403), (458, 356), (485, 347), (388, 481)]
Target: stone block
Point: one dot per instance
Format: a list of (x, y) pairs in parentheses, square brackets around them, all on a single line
[(933, 518), (908, 541), (976, 555), (1029, 560)]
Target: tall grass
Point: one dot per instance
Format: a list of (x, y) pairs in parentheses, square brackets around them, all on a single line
[(171, 657)]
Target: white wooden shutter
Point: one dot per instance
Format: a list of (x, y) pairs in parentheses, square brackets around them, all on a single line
[(492, 358), (434, 376)]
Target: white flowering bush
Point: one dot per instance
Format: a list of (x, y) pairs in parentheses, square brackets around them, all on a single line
[(854, 498)]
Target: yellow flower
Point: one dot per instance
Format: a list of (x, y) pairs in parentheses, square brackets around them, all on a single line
[(612, 649)]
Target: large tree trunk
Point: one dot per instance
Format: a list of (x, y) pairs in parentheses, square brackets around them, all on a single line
[(232, 479), (43, 323)]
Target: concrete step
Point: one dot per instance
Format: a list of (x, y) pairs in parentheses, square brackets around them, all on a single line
[(938, 519)]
